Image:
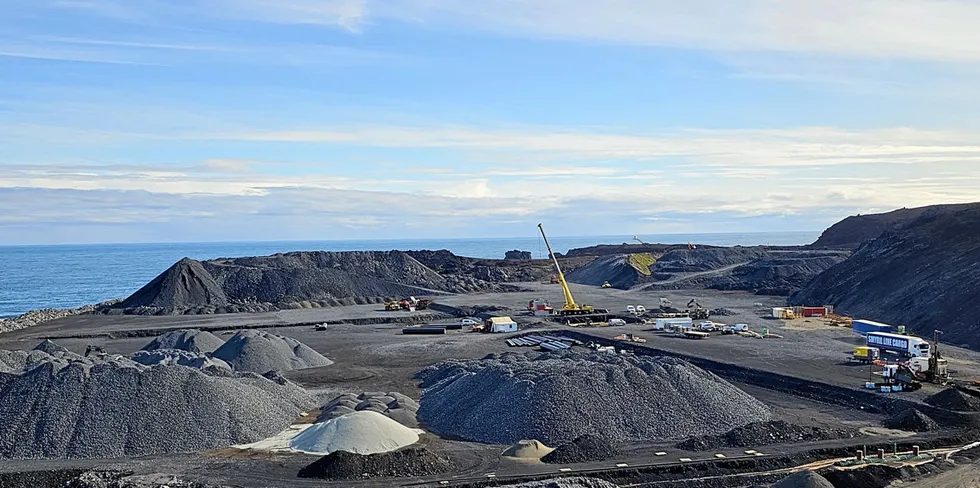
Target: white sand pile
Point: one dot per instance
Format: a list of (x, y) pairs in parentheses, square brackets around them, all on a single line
[(115, 407), (528, 450), (192, 340), (172, 357), (363, 432), (261, 352)]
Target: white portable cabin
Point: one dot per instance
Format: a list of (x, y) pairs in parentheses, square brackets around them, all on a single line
[(672, 323), (501, 325)]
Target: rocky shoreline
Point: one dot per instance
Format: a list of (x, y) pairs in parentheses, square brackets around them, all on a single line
[(35, 317)]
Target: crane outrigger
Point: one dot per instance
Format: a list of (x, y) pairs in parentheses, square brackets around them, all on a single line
[(570, 308)]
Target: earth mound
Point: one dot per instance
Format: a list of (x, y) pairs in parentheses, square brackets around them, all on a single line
[(261, 352), (764, 434), (585, 449), (804, 479), (496, 400), (528, 449), (933, 256), (178, 357), (186, 284), (956, 400), (363, 432), (411, 462), (191, 340), (74, 409), (912, 420)]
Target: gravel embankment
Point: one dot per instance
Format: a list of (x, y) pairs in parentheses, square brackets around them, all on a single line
[(35, 317), (556, 398), (261, 352), (765, 434), (411, 462), (115, 407), (192, 340)]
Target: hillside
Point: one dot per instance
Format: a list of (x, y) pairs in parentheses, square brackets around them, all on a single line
[(858, 229), (924, 273)]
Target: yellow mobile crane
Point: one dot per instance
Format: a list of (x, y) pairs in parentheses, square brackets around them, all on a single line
[(570, 308)]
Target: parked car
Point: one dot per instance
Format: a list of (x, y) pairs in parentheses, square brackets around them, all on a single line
[(617, 322), (631, 309), (707, 326), (469, 322), (640, 310)]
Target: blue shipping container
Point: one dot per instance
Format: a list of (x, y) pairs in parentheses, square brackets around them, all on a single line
[(864, 326)]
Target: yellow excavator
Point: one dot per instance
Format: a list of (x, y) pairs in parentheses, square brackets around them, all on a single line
[(570, 308)]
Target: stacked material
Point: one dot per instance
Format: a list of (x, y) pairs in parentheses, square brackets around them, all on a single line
[(804, 479), (912, 420), (261, 352), (956, 400), (585, 449), (363, 432), (557, 397), (178, 357), (566, 483), (192, 340), (393, 405), (528, 450), (411, 462), (105, 408)]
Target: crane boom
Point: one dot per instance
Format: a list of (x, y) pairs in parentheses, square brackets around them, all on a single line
[(569, 301)]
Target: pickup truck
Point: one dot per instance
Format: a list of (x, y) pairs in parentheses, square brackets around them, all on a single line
[(734, 329)]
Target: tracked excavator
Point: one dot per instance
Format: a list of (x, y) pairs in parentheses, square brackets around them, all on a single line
[(571, 308), (696, 311)]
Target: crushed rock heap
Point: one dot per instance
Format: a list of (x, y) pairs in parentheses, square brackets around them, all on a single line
[(104, 408), (363, 432), (178, 357), (411, 462), (393, 405), (558, 397), (804, 479), (191, 340), (565, 483), (261, 352)]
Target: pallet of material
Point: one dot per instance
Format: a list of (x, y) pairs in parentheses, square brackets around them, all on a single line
[(554, 346)]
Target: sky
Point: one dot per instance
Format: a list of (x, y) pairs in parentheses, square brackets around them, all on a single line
[(226, 120)]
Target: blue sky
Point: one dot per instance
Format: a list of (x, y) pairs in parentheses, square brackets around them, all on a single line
[(199, 120)]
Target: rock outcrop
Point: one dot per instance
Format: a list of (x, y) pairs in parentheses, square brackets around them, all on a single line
[(923, 273), (518, 255), (859, 229)]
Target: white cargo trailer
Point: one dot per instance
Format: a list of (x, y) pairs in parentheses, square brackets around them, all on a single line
[(673, 323)]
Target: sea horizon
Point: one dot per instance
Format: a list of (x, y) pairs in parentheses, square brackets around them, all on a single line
[(64, 276)]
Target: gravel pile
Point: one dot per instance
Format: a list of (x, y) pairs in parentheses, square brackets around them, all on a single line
[(912, 420), (363, 432), (557, 397), (260, 352), (585, 449), (50, 347), (528, 449), (565, 483), (192, 340), (803, 479), (113, 479), (180, 357), (118, 408), (764, 434), (393, 405), (184, 285), (956, 400), (406, 463)]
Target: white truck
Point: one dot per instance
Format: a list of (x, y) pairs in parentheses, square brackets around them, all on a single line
[(707, 326), (903, 345), (673, 323), (734, 329)]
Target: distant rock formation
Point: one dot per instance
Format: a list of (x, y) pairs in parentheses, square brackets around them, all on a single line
[(924, 273), (184, 285), (859, 229), (518, 255)]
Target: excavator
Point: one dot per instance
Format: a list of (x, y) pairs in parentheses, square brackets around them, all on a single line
[(570, 308), (696, 311)]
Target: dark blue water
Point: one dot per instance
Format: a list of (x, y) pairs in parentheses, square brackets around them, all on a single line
[(34, 277)]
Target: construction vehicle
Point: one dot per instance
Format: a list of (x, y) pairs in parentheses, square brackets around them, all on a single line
[(696, 311), (629, 338), (665, 303), (570, 308), (606, 285), (392, 306), (691, 246)]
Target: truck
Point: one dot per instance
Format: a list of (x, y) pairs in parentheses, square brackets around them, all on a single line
[(707, 326), (865, 354), (734, 329), (864, 326), (672, 323), (906, 346)]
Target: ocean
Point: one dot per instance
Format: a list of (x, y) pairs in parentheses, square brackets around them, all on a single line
[(69, 276)]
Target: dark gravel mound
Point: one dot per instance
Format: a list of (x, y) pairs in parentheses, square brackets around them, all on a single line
[(804, 479), (706, 259), (609, 249), (859, 229), (585, 449), (565, 483), (764, 434), (78, 409), (618, 269), (51, 348), (184, 285), (723, 312), (405, 463), (912, 420), (924, 273), (261, 352), (956, 400), (191, 340), (556, 398)]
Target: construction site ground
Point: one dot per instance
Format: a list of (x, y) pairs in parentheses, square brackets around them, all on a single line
[(371, 354)]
